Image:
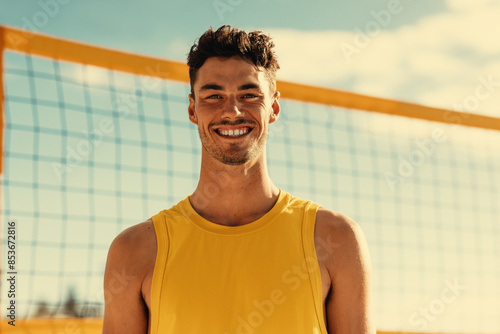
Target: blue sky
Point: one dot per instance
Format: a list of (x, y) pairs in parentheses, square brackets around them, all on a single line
[(437, 53), (148, 25)]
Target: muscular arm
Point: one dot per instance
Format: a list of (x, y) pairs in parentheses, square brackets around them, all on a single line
[(348, 308), (128, 262)]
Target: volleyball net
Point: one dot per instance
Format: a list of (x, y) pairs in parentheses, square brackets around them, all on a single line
[(96, 140)]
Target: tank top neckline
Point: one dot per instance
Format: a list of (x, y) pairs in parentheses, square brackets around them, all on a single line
[(266, 219)]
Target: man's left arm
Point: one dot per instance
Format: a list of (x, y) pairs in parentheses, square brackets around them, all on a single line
[(348, 305)]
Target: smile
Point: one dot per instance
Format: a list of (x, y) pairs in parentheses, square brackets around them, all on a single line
[(233, 132)]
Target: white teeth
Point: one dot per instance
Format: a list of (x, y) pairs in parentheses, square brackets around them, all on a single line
[(234, 133)]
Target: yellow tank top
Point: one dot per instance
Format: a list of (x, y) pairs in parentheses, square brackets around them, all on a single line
[(258, 278)]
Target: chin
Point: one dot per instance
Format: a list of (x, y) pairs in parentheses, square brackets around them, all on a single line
[(231, 162)]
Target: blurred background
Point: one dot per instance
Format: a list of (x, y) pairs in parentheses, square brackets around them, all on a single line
[(429, 207)]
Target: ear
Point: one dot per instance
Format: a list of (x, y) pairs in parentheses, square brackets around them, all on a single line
[(275, 108), (191, 111)]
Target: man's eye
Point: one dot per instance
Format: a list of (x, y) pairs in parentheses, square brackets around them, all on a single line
[(249, 96), (215, 96)]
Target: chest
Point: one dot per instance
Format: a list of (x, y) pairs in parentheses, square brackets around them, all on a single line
[(320, 247), (322, 252)]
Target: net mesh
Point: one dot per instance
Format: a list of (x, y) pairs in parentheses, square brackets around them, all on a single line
[(89, 152)]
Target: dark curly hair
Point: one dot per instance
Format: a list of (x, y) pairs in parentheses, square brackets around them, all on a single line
[(227, 42)]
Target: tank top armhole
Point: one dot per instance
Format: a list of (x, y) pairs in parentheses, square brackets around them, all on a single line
[(311, 260), (162, 242)]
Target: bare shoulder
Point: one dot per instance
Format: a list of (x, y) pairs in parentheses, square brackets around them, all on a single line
[(347, 237), (134, 248), (337, 225), (136, 235)]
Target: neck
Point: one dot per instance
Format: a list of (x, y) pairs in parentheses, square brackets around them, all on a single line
[(233, 195)]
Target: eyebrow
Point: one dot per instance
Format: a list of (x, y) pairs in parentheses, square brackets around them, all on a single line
[(249, 86), (212, 86)]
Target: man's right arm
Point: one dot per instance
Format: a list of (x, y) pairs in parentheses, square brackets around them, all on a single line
[(125, 310)]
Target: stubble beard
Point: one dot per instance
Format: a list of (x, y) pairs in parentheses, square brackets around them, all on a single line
[(235, 155)]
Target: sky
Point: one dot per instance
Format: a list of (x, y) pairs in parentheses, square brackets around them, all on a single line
[(439, 53)]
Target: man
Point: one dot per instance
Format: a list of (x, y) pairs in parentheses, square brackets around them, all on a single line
[(239, 255)]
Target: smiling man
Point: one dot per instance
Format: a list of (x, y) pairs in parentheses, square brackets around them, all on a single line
[(238, 255)]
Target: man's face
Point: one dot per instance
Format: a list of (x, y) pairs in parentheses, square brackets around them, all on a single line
[(233, 107)]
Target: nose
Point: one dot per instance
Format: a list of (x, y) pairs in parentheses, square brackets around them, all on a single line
[(232, 108)]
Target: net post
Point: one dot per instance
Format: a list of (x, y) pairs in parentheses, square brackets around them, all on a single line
[(1, 132), (2, 49)]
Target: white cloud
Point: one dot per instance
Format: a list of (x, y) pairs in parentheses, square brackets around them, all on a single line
[(309, 57), (91, 75), (467, 4), (437, 61)]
